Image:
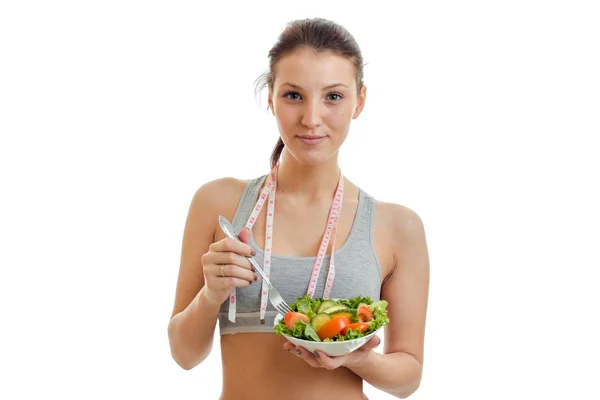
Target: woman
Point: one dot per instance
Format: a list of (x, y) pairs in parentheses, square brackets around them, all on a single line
[(315, 90)]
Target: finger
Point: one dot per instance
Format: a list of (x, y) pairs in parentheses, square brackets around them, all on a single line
[(329, 362), (234, 246), (289, 346), (220, 283), (231, 258), (371, 344), (233, 271), (302, 353), (307, 356), (244, 235)]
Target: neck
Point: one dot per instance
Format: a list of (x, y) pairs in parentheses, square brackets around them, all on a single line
[(309, 181)]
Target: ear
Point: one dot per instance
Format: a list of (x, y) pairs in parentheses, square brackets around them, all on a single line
[(360, 104), (271, 103)]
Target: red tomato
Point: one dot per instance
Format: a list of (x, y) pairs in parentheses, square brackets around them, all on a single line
[(357, 325), (291, 318), (333, 327), (364, 313)]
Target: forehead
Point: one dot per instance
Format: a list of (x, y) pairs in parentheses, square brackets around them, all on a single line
[(307, 68)]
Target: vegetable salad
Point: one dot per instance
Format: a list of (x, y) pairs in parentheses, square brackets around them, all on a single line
[(325, 320)]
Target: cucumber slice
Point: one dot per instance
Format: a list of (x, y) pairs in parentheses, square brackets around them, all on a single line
[(319, 320), (337, 307), (325, 305), (349, 313)]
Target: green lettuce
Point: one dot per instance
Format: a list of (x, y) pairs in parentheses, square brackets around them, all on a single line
[(306, 306), (310, 332), (356, 301)]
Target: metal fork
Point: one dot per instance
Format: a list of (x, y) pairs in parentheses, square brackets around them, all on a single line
[(274, 296)]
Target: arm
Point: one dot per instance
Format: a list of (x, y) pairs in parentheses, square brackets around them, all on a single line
[(194, 318), (191, 331), (200, 289), (398, 371), (398, 374)]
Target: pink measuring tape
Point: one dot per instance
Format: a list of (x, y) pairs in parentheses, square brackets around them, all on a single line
[(330, 230)]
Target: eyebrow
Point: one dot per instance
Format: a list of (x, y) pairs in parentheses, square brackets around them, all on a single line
[(325, 88)]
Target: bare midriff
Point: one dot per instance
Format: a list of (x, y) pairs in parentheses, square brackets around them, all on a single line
[(256, 367)]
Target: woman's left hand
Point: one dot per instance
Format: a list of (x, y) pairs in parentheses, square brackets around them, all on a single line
[(322, 360)]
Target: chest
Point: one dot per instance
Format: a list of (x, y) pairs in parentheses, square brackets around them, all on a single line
[(299, 228)]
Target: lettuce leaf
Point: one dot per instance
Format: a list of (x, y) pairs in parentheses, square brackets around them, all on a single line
[(310, 332), (380, 317), (304, 305), (282, 329), (356, 301)]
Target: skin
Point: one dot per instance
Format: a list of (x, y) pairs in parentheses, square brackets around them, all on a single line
[(307, 178)]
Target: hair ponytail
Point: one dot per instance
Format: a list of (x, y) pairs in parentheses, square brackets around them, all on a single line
[(276, 154)]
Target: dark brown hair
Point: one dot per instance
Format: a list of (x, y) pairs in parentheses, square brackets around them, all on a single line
[(319, 35)]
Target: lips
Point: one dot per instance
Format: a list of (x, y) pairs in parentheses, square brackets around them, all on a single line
[(311, 140)]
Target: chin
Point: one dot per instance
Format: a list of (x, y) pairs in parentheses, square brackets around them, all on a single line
[(311, 157)]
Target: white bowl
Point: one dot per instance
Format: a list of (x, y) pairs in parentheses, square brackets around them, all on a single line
[(332, 349)]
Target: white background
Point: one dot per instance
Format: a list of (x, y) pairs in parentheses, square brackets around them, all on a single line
[(481, 116)]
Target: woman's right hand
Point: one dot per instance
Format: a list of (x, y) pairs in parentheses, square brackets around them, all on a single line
[(225, 266)]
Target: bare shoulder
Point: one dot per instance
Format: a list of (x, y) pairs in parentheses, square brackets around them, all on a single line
[(220, 195), (399, 220), (221, 187), (397, 230), (217, 197)]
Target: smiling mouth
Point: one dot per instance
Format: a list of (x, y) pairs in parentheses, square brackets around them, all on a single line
[(312, 139)]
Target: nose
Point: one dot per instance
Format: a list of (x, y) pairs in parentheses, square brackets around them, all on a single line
[(311, 117)]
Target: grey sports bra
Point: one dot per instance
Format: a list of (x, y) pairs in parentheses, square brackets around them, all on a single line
[(357, 271)]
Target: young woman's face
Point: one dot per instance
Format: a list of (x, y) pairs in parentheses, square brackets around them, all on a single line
[(314, 99)]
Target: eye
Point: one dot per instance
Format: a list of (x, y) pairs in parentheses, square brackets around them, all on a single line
[(292, 95), (335, 96)]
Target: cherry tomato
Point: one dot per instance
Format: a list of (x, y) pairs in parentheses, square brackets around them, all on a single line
[(357, 325), (364, 313), (291, 318), (333, 327)]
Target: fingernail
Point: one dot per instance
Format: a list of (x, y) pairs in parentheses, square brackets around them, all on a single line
[(317, 354), (253, 252), (298, 352), (255, 278)]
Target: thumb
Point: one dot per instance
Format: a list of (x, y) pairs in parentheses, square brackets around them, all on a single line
[(244, 235), (371, 344)]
